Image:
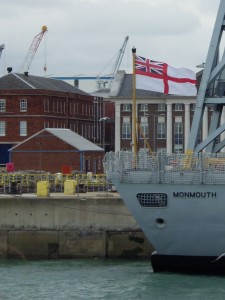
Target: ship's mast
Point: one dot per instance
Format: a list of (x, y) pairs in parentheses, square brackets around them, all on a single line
[(211, 93)]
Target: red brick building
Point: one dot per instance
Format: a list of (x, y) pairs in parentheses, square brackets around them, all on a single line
[(51, 149), (29, 104)]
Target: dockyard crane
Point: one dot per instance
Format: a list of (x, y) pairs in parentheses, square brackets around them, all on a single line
[(33, 49), (116, 65), (119, 59)]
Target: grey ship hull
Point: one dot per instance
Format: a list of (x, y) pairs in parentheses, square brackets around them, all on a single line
[(180, 207), (189, 232)]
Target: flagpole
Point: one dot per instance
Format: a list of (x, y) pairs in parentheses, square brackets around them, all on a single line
[(134, 115)]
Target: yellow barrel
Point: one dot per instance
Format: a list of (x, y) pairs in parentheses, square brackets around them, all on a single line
[(70, 187), (43, 188)]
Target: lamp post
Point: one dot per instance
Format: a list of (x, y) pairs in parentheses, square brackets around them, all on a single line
[(99, 111), (104, 119)]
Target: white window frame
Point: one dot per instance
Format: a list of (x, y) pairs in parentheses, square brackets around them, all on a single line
[(23, 128), (161, 107), (2, 128), (144, 127), (143, 107), (23, 105), (46, 124), (178, 107), (2, 105), (178, 135), (161, 130), (126, 107), (126, 128), (46, 105)]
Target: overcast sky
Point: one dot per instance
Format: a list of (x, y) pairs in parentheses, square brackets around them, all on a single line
[(85, 36)]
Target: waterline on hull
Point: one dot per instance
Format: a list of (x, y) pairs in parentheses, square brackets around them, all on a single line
[(188, 264)]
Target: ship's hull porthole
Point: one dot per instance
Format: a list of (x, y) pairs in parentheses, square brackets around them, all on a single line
[(160, 222)]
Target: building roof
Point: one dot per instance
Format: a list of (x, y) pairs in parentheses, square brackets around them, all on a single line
[(126, 89), (101, 93), (68, 136), (16, 81), (122, 87)]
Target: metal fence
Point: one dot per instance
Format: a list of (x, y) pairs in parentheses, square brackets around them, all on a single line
[(19, 183), (166, 168)]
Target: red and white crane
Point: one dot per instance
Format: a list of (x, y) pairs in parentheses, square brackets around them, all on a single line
[(33, 49)]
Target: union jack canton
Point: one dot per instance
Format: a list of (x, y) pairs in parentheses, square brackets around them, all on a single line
[(149, 67)]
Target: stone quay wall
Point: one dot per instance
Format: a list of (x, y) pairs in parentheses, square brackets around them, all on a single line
[(78, 226)]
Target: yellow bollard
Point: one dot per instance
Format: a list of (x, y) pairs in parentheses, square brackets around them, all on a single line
[(43, 189)]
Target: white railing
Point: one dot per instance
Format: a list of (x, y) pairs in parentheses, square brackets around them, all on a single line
[(166, 168)]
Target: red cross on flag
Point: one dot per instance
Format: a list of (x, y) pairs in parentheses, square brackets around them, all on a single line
[(160, 77)]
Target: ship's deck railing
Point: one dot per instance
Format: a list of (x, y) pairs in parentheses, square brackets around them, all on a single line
[(166, 168)]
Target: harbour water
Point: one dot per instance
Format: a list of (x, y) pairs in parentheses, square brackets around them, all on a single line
[(101, 279)]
